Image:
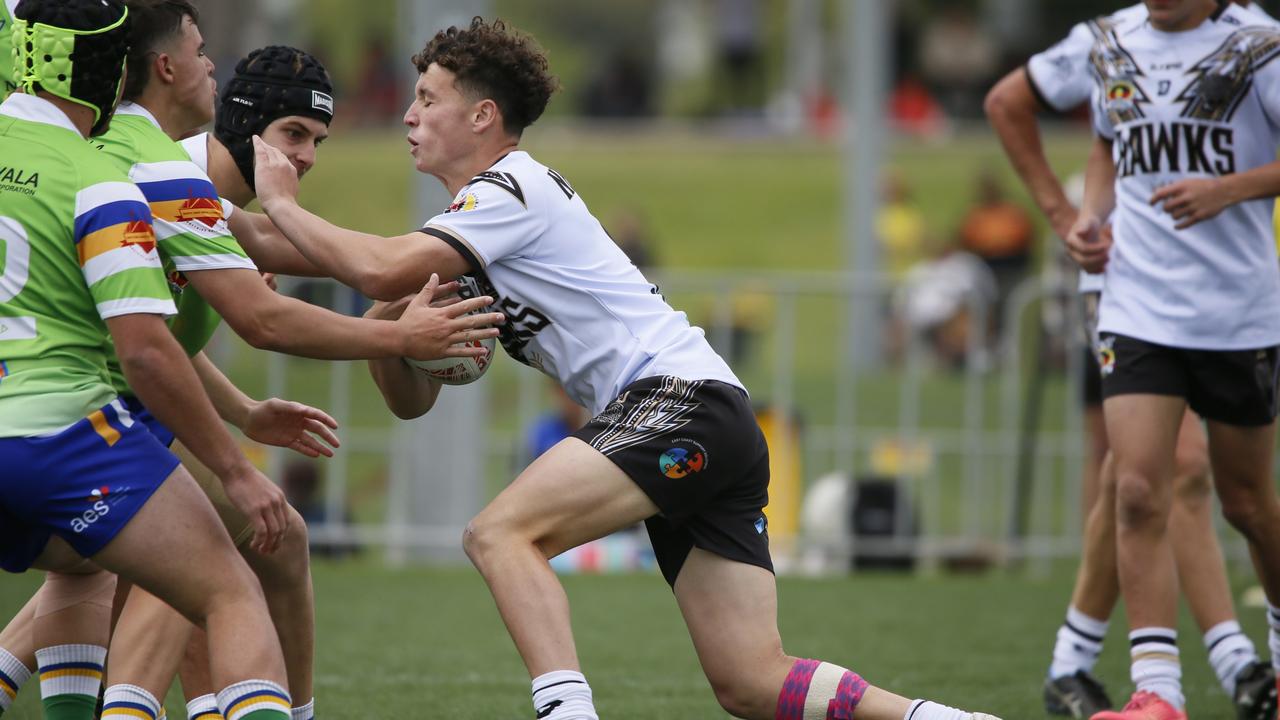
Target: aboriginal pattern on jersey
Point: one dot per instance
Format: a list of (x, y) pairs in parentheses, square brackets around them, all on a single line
[(1223, 78), (523, 322), (665, 409), (1117, 71)]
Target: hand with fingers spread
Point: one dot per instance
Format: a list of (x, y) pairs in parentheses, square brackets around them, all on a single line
[(301, 428), (262, 502), (433, 333), (1089, 243), (1194, 200)]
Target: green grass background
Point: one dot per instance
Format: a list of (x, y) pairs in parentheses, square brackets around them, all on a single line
[(427, 643)]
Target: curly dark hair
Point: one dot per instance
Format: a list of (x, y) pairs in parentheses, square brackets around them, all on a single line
[(494, 62)]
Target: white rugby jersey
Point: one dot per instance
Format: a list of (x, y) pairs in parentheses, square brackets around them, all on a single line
[(577, 309), (1200, 103)]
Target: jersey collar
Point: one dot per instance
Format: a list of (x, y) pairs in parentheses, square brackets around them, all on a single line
[(36, 109), (133, 108)]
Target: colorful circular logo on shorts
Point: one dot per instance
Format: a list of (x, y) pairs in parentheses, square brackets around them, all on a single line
[(678, 462)]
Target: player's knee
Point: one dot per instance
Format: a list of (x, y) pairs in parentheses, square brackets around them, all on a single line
[(1139, 503), (478, 540), (737, 699), (291, 562), (1191, 473), (1245, 514), (64, 590)]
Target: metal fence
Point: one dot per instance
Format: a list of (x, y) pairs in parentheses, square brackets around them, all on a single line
[(987, 454)]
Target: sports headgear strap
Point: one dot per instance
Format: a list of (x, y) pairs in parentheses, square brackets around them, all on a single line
[(271, 83), (73, 49)]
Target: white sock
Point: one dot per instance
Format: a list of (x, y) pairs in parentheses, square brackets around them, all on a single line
[(1273, 635), (248, 696), (13, 675), (563, 695), (1230, 650), (71, 670), (129, 702), (1079, 644), (929, 710), (1156, 667), (305, 712), (204, 707)]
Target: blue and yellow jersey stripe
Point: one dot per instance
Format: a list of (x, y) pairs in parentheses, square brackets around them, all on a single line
[(110, 216)]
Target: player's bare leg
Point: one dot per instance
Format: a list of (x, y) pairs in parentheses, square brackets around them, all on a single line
[(176, 548), (70, 630), (1242, 459), (1143, 430), (573, 494), (17, 653), (148, 643)]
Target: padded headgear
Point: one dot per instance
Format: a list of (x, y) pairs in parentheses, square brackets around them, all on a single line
[(73, 49), (270, 83)]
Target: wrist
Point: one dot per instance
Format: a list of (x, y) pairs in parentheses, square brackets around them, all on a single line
[(244, 410), (1233, 189)]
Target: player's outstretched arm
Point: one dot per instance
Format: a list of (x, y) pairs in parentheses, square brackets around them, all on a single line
[(269, 249), (407, 392), (270, 321), (158, 371), (286, 424), (382, 268), (1011, 109)]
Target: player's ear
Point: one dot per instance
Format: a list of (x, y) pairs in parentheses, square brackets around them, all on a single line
[(162, 64), (486, 115)]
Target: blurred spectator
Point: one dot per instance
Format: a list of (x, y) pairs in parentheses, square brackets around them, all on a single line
[(934, 300), (901, 228), (958, 59), (550, 428), (628, 230), (1000, 232), (914, 110), (301, 484), (622, 88), (378, 100), (739, 39)]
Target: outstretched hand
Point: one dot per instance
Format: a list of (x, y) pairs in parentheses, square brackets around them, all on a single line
[(274, 177), (437, 332), (301, 428)]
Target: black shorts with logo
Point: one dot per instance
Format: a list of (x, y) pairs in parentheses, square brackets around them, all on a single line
[(1236, 387), (695, 449)]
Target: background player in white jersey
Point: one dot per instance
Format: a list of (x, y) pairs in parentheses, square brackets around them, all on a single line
[(674, 441), (1059, 80), (82, 262), (1185, 107)]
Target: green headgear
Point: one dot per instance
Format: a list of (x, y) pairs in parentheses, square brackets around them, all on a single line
[(73, 49)]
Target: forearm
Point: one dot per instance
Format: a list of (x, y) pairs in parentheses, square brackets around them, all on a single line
[(1099, 181), (168, 386), (1011, 110), (407, 392), (353, 258), (230, 402), (269, 249), (298, 328), (1260, 182)]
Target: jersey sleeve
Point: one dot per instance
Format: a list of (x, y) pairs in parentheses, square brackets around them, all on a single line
[(1266, 71), (1060, 76), (488, 221), (190, 221), (116, 246)]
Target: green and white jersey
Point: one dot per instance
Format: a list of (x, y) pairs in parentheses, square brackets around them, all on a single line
[(190, 226), (76, 248), (8, 63)]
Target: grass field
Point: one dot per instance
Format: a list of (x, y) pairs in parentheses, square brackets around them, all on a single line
[(427, 643)]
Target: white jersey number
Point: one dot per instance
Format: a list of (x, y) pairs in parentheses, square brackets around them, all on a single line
[(16, 257)]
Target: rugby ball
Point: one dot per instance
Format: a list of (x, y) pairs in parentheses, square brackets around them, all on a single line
[(458, 370)]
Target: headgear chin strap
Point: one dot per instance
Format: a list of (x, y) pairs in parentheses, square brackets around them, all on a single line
[(73, 49), (271, 83)]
